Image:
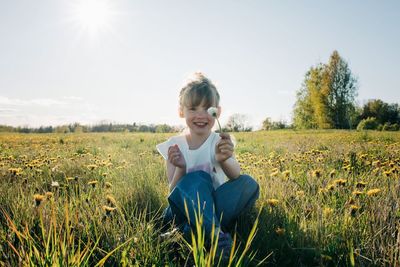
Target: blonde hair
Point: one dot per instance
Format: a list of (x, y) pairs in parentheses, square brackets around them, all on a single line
[(199, 90)]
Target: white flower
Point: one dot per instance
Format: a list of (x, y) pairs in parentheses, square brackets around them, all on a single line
[(55, 184), (212, 111)]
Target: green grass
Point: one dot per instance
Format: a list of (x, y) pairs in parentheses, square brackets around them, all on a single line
[(312, 211)]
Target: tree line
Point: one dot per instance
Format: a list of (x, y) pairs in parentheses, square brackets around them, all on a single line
[(326, 100), (101, 127)]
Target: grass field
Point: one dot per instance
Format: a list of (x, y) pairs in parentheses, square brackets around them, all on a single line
[(328, 198)]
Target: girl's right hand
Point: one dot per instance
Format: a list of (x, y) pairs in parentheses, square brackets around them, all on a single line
[(175, 156)]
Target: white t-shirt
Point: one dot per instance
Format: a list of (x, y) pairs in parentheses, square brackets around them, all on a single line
[(201, 159)]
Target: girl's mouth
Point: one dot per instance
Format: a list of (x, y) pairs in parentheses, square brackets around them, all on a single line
[(200, 124)]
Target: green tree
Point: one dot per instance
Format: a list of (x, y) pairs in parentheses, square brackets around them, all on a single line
[(342, 87), (326, 97)]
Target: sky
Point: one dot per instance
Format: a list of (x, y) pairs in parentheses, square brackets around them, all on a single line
[(124, 61)]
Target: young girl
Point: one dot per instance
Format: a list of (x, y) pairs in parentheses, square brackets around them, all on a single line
[(202, 169)]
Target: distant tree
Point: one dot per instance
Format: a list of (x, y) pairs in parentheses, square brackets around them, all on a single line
[(326, 97), (342, 87), (303, 113), (382, 111), (268, 124), (238, 123), (163, 128)]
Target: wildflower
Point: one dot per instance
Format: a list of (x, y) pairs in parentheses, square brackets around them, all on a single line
[(108, 210), (387, 173), (322, 190), (38, 199), (104, 174), (55, 184), (361, 184), (280, 231), (92, 183), (340, 182), (317, 173), (373, 192), (108, 185), (300, 193), (330, 187), (272, 202), (49, 195), (274, 172), (213, 111), (111, 200), (357, 193), (332, 173), (286, 173), (91, 166)]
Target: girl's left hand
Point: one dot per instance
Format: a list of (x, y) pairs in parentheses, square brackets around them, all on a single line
[(224, 148)]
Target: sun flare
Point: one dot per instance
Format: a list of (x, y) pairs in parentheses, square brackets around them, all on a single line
[(93, 16)]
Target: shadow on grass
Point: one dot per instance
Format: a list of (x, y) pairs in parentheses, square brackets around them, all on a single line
[(279, 240)]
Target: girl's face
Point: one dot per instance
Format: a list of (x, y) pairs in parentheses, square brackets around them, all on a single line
[(198, 120)]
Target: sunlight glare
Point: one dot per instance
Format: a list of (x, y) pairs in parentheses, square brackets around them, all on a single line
[(93, 16)]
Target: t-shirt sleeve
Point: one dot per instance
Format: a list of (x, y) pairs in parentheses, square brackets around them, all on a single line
[(163, 148)]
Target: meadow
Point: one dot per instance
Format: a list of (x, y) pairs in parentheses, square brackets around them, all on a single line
[(328, 198)]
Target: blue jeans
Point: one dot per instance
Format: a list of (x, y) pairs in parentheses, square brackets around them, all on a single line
[(220, 207)]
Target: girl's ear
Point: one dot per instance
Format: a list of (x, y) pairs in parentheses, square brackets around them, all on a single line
[(181, 115), (219, 111)]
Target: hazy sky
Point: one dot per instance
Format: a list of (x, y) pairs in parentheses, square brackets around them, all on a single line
[(124, 61)]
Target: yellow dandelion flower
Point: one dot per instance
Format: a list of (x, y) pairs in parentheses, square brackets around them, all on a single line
[(340, 182), (49, 195), (38, 199), (387, 173), (108, 210), (286, 174), (330, 187), (91, 166), (272, 202), (108, 184), (322, 190), (317, 173), (92, 183), (111, 200), (373, 192), (357, 193), (300, 193)]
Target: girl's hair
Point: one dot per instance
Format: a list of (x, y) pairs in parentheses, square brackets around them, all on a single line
[(199, 90)]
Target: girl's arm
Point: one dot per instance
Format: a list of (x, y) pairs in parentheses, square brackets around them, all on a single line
[(224, 156), (174, 175), (231, 168), (176, 166)]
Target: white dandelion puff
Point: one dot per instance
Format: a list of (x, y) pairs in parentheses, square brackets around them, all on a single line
[(213, 111)]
